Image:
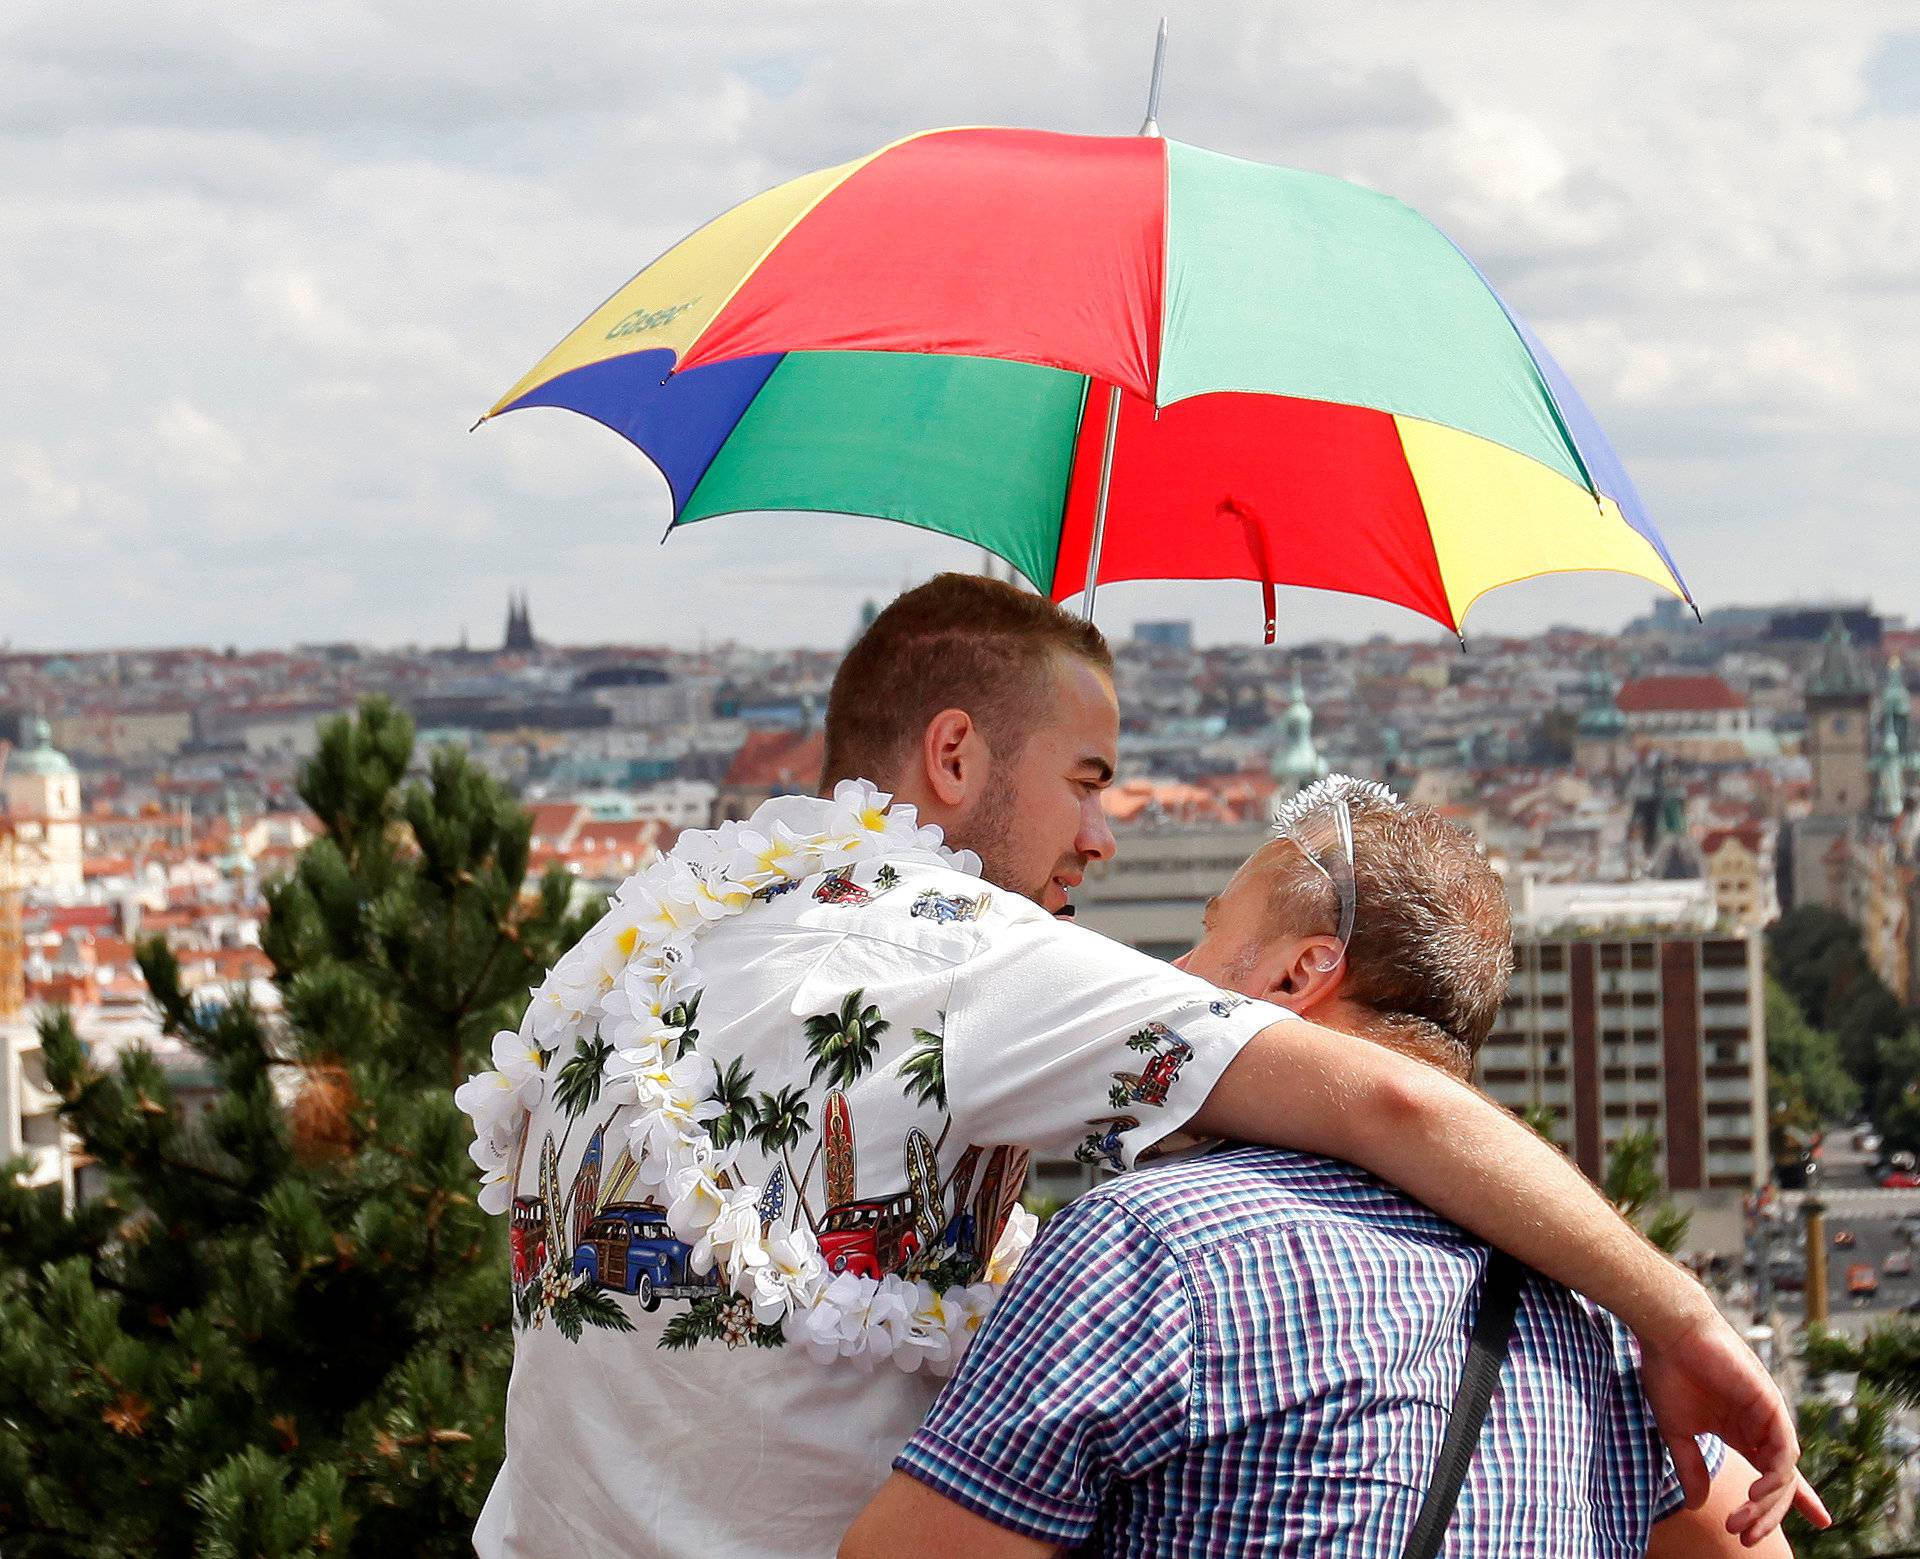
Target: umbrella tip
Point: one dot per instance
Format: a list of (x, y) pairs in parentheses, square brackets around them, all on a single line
[(476, 423), (1694, 606), (1463, 640), (1152, 124)]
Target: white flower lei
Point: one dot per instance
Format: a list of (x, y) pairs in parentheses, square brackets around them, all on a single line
[(633, 972)]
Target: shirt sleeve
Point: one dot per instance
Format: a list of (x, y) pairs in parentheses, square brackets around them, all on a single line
[(1081, 1376), (1640, 1453), (1063, 1041)]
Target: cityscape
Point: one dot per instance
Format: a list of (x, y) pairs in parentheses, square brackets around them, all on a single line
[(1654, 802)]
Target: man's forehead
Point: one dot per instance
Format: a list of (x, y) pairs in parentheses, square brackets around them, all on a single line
[(1084, 713)]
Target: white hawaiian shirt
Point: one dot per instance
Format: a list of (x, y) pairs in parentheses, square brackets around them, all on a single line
[(879, 1048)]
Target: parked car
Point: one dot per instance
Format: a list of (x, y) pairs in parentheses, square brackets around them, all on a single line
[(1862, 1280), (1899, 1264), (1900, 1180), (1790, 1280), (1843, 1239), (1866, 1141)]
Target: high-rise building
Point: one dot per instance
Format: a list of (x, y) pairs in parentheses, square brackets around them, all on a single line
[(1616, 1029)]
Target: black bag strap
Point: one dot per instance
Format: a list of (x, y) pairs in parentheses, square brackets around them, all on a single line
[(1486, 1355)]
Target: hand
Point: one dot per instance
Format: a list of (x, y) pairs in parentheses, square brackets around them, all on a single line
[(1705, 1380)]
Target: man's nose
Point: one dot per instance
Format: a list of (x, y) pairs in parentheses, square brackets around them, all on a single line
[(1095, 840)]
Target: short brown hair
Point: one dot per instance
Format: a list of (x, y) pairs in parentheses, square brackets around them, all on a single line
[(959, 641), (1432, 946)]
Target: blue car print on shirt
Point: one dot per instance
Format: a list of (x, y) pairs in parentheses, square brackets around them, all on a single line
[(629, 1249)]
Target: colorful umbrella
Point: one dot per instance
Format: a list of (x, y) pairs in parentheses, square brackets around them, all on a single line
[(1305, 382)]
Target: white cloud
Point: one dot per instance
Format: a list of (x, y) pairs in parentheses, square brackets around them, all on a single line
[(267, 264)]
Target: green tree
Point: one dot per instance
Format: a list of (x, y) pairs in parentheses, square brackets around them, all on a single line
[(284, 1328), (1807, 1083), (1820, 960), (1632, 1184), (1844, 1454), (1896, 1094), (1887, 1359)]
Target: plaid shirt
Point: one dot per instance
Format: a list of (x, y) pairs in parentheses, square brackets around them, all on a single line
[(1255, 1352)]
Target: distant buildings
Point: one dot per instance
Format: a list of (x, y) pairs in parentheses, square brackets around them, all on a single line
[(1164, 635), (42, 794), (1857, 848)]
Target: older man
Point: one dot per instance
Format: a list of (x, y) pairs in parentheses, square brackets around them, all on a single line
[(1254, 1351), (761, 1132)]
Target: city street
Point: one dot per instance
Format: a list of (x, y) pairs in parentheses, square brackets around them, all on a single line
[(1874, 1218)]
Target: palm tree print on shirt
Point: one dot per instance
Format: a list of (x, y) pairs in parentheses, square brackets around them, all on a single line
[(780, 1124), (844, 1043)]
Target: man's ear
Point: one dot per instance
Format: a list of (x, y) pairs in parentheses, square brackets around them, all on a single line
[(1306, 973), (952, 754)]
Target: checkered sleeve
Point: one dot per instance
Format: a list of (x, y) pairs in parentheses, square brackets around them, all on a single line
[(1081, 1377), (1638, 1454)]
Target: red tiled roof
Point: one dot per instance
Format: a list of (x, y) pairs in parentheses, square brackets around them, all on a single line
[(1677, 695), (1747, 833), (80, 917), (782, 758), (554, 822)]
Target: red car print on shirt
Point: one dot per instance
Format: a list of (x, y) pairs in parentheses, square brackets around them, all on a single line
[(871, 1238), (1166, 1054)]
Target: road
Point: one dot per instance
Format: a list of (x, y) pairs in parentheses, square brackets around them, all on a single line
[(1872, 1216)]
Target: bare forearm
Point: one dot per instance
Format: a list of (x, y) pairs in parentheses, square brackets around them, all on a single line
[(1301, 1086)]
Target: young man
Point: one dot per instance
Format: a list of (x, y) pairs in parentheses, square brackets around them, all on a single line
[(1251, 1352), (761, 1132)]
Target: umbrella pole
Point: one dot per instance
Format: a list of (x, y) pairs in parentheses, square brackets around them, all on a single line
[(1100, 502), (1151, 126)]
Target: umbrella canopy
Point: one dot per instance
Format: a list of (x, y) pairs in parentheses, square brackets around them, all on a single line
[(1316, 386)]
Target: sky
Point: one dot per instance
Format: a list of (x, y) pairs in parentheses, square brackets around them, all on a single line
[(264, 265)]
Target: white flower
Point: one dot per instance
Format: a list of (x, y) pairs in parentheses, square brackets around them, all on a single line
[(778, 854), (673, 1098), (708, 850), (492, 1100), (732, 1238), (860, 1319), (1015, 1237), (788, 1279), (695, 1194), (859, 811), (966, 1312), (520, 1057), (496, 1191), (492, 1147), (735, 1323), (925, 1335)]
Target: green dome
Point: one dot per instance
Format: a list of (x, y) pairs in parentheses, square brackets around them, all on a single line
[(38, 755), (1296, 761), (1601, 717)]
